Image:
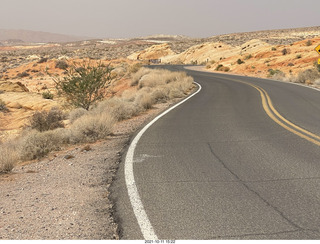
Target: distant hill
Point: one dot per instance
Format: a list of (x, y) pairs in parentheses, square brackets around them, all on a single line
[(36, 36)]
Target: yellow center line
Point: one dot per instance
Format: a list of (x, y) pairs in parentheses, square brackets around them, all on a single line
[(271, 112)]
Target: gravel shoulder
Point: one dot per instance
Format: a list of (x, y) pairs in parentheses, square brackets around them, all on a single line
[(66, 195)]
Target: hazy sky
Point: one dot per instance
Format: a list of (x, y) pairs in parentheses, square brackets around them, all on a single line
[(132, 18)]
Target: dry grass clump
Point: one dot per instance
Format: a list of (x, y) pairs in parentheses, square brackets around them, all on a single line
[(43, 120), (317, 82), (161, 94), (135, 78), (8, 158), (38, 144), (158, 78), (157, 85), (145, 100), (91, 128), (307, 76), (118, 108), (76, 114)]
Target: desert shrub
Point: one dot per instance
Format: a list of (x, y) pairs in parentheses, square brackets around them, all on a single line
[(42, 60), (220, 67), (38, 144), (3, 107), (91, 127), (317, 66), (135, 68), (22, 75), (186, 84), (273, 49), (226, 69), (298, 56), (8, 158), (145, 100), (194, 62), (128, 95), (76, 114), (239, 61), (248, 57), (47, 95), (151, 80), (161, 94), (135, 77), (276, 74), (309, 75), (44, 121), (317, 82), (175, 93), (85, 85), (308, 43), (284, 51), (61, 64), (118, 108)]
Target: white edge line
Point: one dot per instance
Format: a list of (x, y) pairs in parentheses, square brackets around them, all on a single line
[(138, 209)]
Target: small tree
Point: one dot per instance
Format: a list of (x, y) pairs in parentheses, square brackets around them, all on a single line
[(84, 84)]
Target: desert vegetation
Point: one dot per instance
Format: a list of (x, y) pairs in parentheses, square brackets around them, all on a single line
[(98, 96), (84, 84), (53, 130)]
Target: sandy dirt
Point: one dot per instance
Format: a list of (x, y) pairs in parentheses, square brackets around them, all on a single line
[(66, 195)]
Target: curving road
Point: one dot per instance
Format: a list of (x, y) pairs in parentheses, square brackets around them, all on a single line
[(238, 160)]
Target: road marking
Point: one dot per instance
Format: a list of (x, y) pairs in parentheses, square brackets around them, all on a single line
[(136, 203), (278, 118)]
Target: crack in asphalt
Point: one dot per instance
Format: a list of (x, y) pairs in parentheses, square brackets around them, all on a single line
[(256, 193)]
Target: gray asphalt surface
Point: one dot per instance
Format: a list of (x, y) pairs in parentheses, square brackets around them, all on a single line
[(217, 167)]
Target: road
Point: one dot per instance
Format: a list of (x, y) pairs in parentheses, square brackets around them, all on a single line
[(238, 160)]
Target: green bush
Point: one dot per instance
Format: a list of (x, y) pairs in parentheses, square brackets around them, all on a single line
[(239, 61), (47, 95), (85, 84)]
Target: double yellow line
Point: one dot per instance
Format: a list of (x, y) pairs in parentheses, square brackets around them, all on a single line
[(279, 119)]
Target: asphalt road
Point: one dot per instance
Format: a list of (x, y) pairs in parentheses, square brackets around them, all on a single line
[(220, 167)]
